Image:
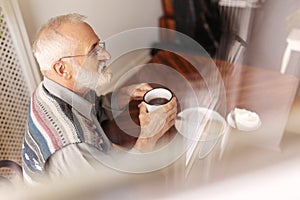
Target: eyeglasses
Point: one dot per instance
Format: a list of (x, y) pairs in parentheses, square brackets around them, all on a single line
[(96, 51)]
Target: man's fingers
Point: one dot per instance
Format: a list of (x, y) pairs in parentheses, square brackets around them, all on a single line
[(170, 105), (145, 86), (142, 107), (140, 90)]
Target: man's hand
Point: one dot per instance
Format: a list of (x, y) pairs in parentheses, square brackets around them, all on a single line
[(136, 92), (132, 92), (155, 124)]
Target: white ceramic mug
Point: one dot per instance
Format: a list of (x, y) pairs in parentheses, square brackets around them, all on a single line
[(157, 97)]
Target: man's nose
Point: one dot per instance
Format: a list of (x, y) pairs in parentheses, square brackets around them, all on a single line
[(104, 55)]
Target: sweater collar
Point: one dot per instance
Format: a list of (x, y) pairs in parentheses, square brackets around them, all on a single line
[(82, 105)]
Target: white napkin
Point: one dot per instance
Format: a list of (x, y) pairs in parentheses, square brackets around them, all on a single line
[(243, 119)]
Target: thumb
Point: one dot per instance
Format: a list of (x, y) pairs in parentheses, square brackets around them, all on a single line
[(142, 107)]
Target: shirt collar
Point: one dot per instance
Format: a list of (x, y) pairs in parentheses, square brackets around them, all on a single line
[(79, 103)]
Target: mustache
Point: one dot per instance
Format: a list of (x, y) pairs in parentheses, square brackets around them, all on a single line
[(101, 67)]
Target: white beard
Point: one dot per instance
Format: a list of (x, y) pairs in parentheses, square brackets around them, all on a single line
[(90, 80)]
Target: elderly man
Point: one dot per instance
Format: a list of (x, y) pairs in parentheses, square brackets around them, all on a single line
[(64, 133)]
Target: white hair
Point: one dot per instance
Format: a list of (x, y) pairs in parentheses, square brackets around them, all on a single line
[(50, 45)]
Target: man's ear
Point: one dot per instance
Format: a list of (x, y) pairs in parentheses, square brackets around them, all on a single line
[(61, 69)]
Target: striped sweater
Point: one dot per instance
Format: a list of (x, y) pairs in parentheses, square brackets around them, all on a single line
[(53, 124)]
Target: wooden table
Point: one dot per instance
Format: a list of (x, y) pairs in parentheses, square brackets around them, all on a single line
[(266, 92)]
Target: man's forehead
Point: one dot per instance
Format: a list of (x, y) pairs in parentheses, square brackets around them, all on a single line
[(77, 30)]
